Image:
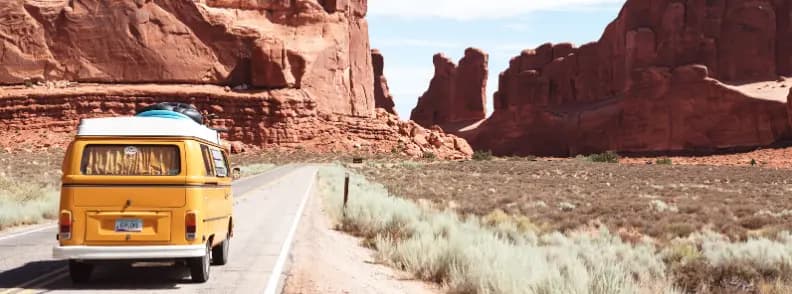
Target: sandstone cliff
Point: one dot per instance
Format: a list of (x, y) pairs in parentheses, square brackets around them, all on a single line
[(274, 72), (456, 94), (319, 46), (382, 96), (665, 76)]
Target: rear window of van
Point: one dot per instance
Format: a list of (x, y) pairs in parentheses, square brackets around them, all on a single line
[(131, 160)]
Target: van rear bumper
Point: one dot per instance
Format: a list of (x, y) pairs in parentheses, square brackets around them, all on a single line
[(128, 252)]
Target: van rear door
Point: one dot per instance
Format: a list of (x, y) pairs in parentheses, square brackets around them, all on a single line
[(129, 192)]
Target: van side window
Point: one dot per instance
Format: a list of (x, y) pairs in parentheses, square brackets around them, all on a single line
[(221, 169), (207, 159)]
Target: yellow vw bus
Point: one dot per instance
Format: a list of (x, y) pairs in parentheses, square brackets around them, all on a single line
[(145, 188)]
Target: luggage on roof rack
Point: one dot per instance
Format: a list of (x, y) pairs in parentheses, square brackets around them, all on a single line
[(160, 110)]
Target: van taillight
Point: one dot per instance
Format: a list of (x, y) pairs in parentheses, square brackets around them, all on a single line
[(189, 225), (65, 224)]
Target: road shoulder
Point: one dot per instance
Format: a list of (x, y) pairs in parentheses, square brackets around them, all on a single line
[(324, 260)]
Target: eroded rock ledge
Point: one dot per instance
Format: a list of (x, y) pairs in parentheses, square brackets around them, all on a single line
[(32, 118)]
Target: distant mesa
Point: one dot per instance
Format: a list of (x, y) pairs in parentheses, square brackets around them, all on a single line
[(665, 76)]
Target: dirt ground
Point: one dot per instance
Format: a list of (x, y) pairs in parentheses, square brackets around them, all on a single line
[(661, 201), (327, 261), (765, 157)]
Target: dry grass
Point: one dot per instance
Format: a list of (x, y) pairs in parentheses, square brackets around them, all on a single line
[(743, 210), (29, 187), (662, 201), (495, 254)]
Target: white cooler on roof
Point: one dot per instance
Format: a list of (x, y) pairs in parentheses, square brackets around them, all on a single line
[(146, 127)]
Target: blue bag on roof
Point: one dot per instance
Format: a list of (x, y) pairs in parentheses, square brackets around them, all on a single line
[(172, 110)]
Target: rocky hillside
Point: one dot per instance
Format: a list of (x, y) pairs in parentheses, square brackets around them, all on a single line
[(271, 71), (666, 75)]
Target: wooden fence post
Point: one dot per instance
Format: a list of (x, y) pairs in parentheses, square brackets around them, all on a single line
[(346, 192)]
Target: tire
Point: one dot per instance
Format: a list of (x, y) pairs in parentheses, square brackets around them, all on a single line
[(200, 266), (80, 272), (220, 253)]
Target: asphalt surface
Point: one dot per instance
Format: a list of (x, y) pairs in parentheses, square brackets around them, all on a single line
[(267, 209)]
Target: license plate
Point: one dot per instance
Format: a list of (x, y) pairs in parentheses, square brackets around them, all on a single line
[(129, 225)]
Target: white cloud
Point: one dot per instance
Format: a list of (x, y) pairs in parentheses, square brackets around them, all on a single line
[(476, 9)]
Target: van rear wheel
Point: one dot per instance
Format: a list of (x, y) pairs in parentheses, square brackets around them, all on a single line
[(80, 272), (199, 266), (220, 253)]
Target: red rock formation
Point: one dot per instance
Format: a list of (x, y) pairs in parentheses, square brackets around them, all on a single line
[(455, 94), (651, 83), (31, 118), (301, 71), (320, 46), (382, 95)]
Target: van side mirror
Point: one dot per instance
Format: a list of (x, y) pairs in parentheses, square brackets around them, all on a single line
[(236, 173)]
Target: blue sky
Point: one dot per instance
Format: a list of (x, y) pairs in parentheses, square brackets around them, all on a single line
[(410, 32)]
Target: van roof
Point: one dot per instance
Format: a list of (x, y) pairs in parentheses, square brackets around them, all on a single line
[(146, 127)]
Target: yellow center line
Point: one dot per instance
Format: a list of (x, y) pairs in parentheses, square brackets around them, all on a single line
[(45, 283), (21, 287)]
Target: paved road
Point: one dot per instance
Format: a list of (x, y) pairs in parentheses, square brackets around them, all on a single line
[(267, 211)]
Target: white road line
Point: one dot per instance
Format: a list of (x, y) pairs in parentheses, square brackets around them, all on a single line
[(272, 283), (20, 234)]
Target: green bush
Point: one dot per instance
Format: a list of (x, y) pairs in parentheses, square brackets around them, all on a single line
[(429, 155), (482, 155), (607, 157)]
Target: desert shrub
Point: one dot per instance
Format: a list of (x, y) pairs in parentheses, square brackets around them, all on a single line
[(409, 164), (481, 155), (757, 221), (429, 155), (23, 202), (664, 161), (774, 287), (474, 255), (660, 206), (707, 260), (607, 157)]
